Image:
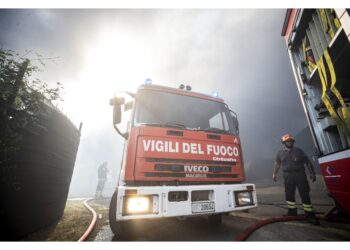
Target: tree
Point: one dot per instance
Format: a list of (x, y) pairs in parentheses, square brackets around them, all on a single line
[(22, 104)]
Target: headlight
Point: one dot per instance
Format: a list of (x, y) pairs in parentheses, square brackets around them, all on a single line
[(133, 205), (137, 205), (243, 198)]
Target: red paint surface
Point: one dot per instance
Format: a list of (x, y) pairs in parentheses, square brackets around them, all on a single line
[(136, 164), (290, 24), (337, 180)]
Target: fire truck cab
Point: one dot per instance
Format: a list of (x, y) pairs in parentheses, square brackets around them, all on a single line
[(182, 157)]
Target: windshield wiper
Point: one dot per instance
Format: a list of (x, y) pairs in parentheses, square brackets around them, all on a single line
[(165, 125), (215, 130), (177, 125)]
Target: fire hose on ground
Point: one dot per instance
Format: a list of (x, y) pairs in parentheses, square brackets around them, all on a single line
[(252, 228), (242, 236), (93, 222)]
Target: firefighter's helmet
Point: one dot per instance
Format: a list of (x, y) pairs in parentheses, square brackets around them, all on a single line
[(287, 137)]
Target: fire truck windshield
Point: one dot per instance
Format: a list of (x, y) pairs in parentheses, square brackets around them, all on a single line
[(155, 108)]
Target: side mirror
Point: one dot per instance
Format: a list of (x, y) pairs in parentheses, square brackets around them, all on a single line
[(117, 114), (117, 101), (119, 118)]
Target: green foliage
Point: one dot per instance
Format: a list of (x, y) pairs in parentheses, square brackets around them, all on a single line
[(21, 105)]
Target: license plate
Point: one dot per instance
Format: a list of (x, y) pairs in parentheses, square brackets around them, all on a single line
[(203, 207)]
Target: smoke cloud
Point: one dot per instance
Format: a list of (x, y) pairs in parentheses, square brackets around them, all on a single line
[(237, 52)]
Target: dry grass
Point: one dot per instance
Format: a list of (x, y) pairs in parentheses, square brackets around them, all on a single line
[(71, 227), (102, 218)]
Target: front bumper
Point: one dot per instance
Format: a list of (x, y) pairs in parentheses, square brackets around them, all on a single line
[(175, 201)]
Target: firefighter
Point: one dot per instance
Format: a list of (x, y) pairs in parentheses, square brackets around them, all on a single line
[(102, 178), (293, 161)]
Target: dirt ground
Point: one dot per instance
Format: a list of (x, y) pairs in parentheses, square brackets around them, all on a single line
[(101, 207), (73, 224), (271, 202)]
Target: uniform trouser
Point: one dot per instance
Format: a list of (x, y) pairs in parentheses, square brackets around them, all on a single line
[(293, 180), (100, 186)]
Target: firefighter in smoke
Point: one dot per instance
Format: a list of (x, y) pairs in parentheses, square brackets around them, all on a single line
[(102, 178), (293, 161)]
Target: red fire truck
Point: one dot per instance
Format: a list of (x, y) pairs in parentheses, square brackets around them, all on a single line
[(182, 157), (318, 42)]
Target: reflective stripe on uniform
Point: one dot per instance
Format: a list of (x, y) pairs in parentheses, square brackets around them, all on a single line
[(291, 204), (307, 207)]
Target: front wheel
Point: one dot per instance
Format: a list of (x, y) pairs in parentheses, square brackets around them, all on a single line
[(119, 228), (215, 220)]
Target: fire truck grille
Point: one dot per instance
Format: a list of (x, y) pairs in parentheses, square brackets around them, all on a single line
[(181, 168), (183, 161), (184, 175)]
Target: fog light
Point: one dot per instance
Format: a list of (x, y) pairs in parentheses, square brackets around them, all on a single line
[(243, 198), (137, 205)]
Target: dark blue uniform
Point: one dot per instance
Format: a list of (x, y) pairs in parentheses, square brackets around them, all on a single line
[(292, 163)]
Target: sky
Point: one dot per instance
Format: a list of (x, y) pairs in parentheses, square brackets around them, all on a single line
[(95, 52)]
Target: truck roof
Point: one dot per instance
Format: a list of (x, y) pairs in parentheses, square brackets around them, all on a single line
[(179, 92)]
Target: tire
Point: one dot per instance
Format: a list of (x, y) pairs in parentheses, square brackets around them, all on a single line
[(112, 213), (119, 228), (215, 220)]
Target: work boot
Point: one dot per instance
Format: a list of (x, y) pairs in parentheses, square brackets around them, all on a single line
[(311, 218), (292, 212)]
